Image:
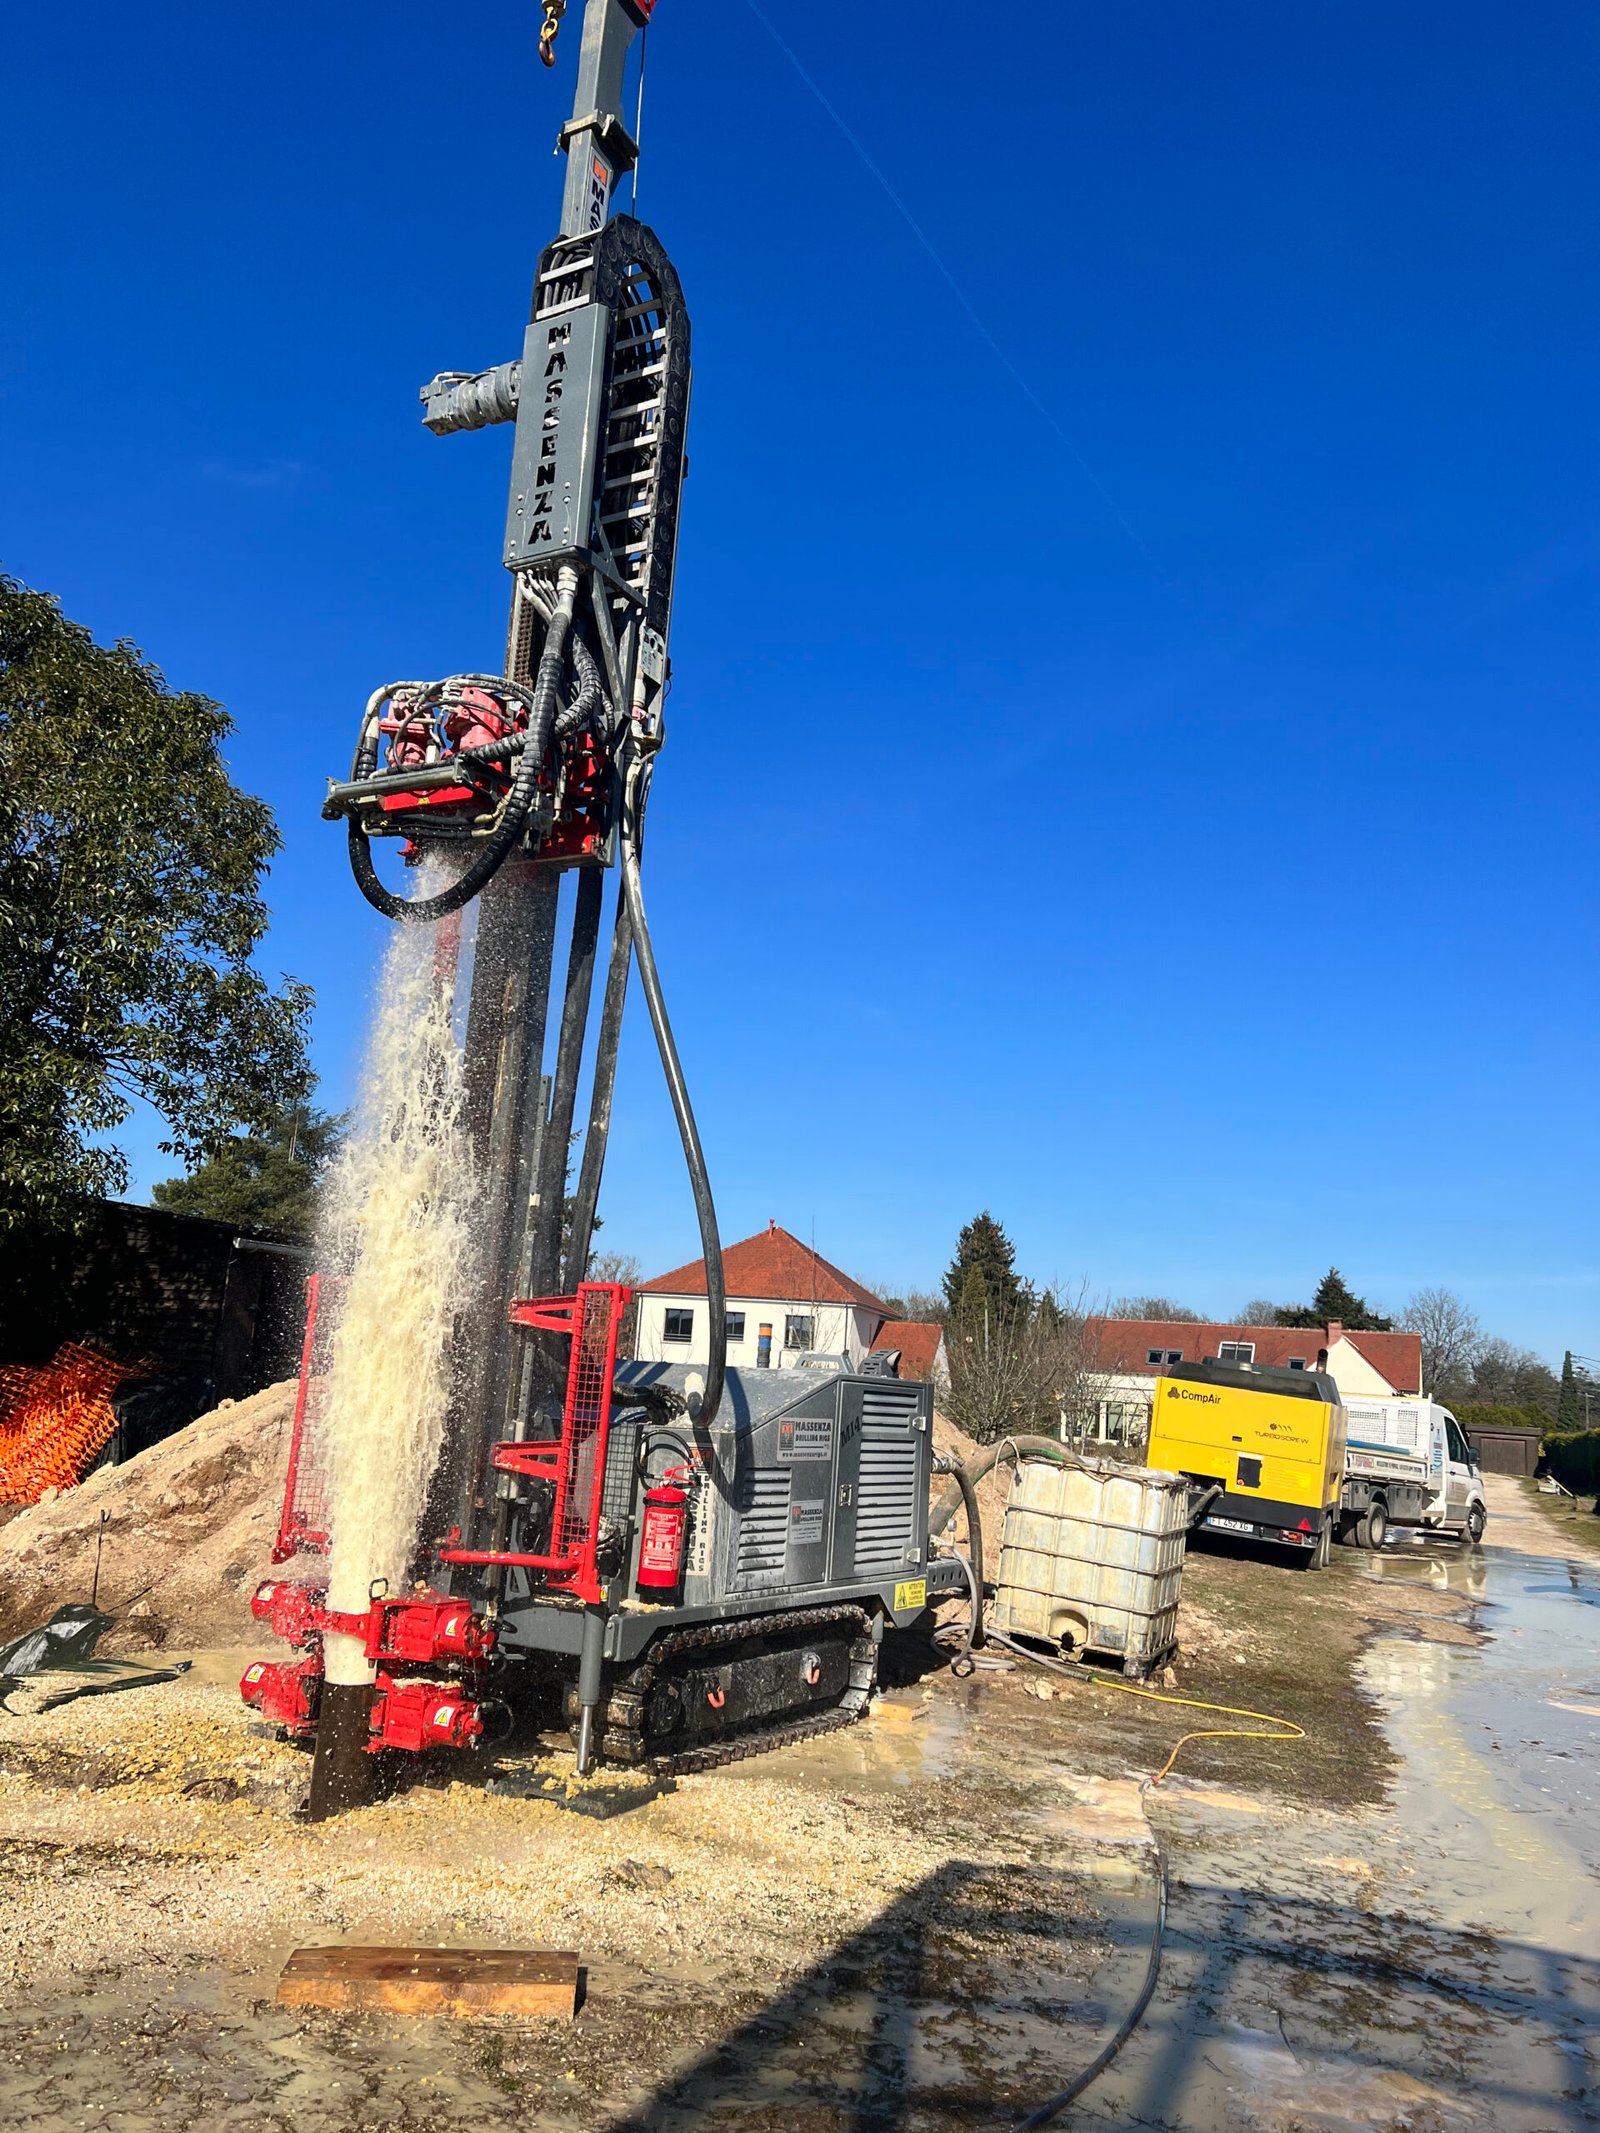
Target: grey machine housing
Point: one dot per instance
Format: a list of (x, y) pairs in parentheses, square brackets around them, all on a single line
[(809, 1489)]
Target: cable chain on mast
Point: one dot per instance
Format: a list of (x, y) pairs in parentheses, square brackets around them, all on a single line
[(549, 30)]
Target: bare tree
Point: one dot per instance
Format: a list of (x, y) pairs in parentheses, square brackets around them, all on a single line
[(1155, 1307), (1452, 1340), (1506, 1376), (1258, 1312), (1030, 1371), (624, 1268)]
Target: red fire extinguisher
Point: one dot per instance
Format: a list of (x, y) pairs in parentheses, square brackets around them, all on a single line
[(661, 1541)]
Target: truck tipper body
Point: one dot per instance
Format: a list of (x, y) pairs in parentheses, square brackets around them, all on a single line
[(1408, 1463)]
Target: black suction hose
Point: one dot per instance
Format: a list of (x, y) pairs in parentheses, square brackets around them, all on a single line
[(1052, 2108), (677, 1089), (498, 845), (945, 1464)]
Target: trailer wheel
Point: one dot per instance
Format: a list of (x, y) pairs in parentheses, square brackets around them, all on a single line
[(1374, 1524), (1320, 1553), (1477, 1519)]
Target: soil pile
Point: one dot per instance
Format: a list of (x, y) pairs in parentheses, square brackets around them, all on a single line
[(185, 1532)]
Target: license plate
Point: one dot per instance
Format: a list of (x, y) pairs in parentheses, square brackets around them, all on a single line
[(1232, 1525)]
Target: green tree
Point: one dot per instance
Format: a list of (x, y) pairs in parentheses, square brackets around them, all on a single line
[(264, 1180), (1332, 1301), (975, 1313), (1504, 1376), (984, 1248), (130, 909), (1568, 1416)]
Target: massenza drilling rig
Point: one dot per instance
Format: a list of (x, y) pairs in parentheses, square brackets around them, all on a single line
[(687, 1566)]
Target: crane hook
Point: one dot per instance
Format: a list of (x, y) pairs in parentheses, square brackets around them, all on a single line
[(553, 12)]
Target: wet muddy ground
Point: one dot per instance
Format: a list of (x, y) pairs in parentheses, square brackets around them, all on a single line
[(925, 1924)]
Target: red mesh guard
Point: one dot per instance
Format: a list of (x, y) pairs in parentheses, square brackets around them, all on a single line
[(576, 1460), (586, 1422), (303, 1523)]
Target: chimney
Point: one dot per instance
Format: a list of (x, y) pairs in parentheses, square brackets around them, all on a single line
[(1335, 1333)]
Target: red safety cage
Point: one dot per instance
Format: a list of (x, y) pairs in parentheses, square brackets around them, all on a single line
[(303, 1522), (573, 1463)]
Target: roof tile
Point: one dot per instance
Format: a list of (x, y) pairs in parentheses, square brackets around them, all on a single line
[(770, 1264)]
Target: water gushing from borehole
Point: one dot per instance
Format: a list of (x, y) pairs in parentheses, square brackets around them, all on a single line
[(397, 1221)]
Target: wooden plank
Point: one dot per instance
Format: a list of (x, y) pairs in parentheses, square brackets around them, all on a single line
[(450, 1981)]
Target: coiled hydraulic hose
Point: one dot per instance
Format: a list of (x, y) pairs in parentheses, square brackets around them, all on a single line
[(501, 841)]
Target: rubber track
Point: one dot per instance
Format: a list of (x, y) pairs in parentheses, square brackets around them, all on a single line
[(716, 1754)]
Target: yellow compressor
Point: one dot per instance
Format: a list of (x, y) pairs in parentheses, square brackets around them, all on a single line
[(1263, 1451)]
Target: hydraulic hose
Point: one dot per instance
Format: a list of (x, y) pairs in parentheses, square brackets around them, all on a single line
[(602, 1090), (501, 841), (677, 1088)]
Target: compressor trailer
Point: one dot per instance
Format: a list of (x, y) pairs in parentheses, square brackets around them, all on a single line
[(693, 1565)]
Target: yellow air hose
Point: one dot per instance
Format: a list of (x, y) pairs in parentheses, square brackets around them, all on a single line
[(1287, 1730)]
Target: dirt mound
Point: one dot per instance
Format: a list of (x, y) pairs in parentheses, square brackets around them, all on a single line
[(187, 1530), (994, 1490)]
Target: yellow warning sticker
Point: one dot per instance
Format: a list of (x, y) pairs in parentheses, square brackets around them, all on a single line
[(914, 1593)]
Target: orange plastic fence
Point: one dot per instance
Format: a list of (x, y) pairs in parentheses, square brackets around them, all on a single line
[(55, 1422)]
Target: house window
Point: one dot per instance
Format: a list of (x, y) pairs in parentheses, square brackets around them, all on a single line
[(1297, 1362), (735, 1326), (1236, 1352), (1159, 1356), (679, 1326), (797, 1329), (1120, 1422)]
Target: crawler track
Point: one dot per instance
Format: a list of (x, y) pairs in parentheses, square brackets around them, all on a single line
[(625, 1730)]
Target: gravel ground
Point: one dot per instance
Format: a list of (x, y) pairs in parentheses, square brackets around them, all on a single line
[(154, 1878)]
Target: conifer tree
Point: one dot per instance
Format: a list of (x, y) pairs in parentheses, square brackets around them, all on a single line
[(1567, 1416), (984, 1248), (1334, 1302)]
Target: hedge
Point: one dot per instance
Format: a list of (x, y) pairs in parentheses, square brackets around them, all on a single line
[(1486, 1416), (1573, 1456)]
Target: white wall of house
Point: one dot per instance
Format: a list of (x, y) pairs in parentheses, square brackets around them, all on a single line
[(1355, 1377), (835, 1329)]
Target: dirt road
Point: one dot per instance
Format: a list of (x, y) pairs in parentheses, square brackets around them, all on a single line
[(922, 1925)]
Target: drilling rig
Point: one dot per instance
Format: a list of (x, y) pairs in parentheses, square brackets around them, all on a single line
[(687, 1566)]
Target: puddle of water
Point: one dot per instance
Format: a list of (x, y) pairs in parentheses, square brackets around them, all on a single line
[(1430, 1965), (904, 1741)]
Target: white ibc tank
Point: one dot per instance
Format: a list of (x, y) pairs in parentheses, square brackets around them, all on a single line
[(1092, 1556)]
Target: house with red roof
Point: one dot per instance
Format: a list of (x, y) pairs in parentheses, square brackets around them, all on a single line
[(785, 1301), (1131, 1353)]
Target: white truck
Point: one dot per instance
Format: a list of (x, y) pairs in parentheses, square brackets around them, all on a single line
[(1407, 1463)]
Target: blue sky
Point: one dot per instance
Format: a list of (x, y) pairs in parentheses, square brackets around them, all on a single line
[(1192, 860)]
